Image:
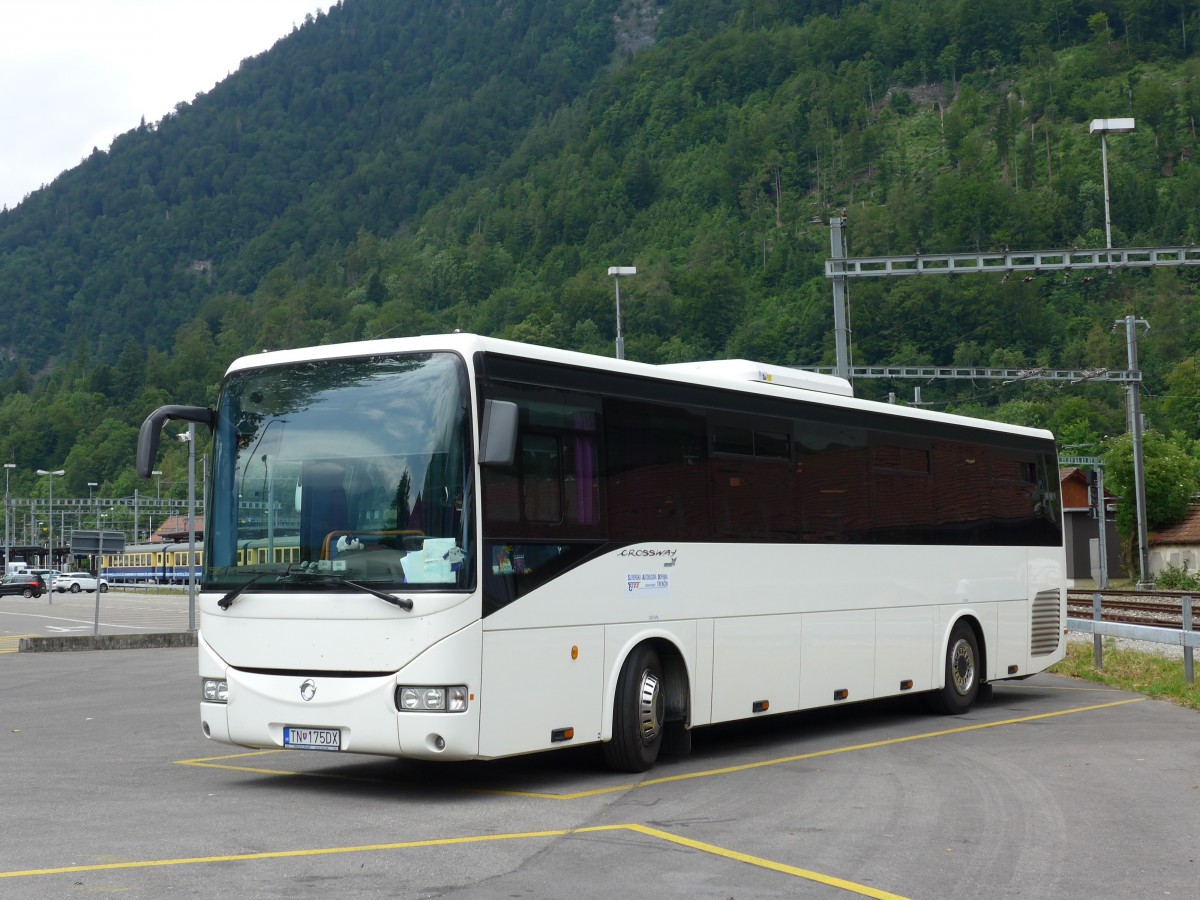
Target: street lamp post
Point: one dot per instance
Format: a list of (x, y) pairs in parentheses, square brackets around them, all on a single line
[(8, 467), (96, 511), (616, 272), (50, 517), (1134, 411), (95, 508), (1105, 127), (190, 437), (157, 484)]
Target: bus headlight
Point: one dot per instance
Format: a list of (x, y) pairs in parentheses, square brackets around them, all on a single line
[(424, 698), (215, 690)]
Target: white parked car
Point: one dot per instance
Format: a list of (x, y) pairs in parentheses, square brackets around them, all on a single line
[(48, 576), (79, 581)]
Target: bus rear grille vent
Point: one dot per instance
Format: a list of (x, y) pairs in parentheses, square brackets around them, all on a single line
[(1047, 624)]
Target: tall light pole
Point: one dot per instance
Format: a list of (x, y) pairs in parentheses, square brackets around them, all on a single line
[(51, 473), (616, 272), (1134, 410), (99, 541), (190, 438), (157, 484), (1105, 127), (8, 467)]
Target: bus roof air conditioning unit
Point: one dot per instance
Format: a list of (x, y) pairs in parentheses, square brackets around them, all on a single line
[(745, 370)]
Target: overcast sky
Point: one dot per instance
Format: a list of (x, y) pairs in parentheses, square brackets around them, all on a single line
[(76, 73)]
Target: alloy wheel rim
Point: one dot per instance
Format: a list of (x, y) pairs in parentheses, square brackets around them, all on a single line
[(650, 706), (962, 667)]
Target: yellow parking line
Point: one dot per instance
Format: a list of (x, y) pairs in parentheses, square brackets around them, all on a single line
[(1085, 689), (217, 762), (11, 643), (277, 854), (712, 849), (806, 874), (744, 767)]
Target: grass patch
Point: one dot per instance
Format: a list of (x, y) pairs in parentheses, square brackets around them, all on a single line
[(1160, 677)]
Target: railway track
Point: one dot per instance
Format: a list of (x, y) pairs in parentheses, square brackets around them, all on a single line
[(1162, 609)]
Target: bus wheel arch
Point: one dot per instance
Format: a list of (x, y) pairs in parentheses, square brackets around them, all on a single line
[(651, 700), (964, 664)]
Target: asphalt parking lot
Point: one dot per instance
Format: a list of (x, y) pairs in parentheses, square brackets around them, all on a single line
[(1053, 788), (118, 612)]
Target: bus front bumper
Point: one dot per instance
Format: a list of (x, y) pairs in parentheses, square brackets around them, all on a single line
[(341, 713)]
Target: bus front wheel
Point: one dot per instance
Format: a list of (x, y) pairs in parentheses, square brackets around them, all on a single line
[(638, 713), (962, 673)]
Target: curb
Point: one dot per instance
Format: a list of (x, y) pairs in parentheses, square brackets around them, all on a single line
[(107, 642)]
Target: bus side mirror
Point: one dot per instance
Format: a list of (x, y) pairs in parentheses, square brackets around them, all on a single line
[(498, 441), (151, 430)]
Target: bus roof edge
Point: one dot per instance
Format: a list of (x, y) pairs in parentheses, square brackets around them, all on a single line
[(745, 370)]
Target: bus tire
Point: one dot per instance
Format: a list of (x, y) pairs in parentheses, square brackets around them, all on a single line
[(638, 713), (962, 673)]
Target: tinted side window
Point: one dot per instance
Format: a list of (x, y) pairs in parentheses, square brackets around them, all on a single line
[(541, 466), (657, 473), (752, 479), (552, 490), (961, 491), (1018, 506), (901, 490), (833, 471)]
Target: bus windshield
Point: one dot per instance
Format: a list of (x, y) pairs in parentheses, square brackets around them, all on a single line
[(343, 470)]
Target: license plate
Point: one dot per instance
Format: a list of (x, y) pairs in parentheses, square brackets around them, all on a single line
[(312, 738)]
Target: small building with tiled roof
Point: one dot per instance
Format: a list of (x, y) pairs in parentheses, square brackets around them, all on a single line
[(175, 528), (1177, 546), (1081, 530)]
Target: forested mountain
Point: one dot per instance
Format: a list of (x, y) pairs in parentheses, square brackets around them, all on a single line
[(410, 166), (362, 119)]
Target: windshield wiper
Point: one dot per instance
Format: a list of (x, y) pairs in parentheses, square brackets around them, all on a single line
[(227, 601), (403, 602), (322, 577), (326, 578)]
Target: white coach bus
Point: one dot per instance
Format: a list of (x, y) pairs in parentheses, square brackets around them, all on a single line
[(457, 547)]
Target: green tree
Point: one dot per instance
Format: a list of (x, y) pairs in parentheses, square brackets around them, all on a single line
[(1171, 474)]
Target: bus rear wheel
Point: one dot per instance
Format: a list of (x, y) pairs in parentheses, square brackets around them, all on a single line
[(962, 673), (638, 713)]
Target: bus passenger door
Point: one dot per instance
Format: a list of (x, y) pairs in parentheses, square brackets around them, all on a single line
[(537, 682)]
